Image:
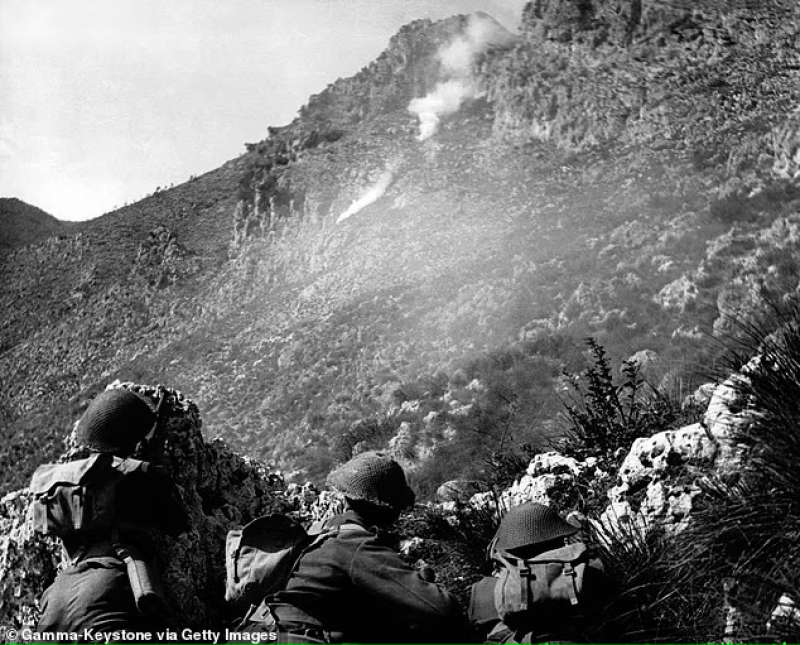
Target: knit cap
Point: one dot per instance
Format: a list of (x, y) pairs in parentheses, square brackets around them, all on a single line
[(115, 421), (375, 478), (529, 524)]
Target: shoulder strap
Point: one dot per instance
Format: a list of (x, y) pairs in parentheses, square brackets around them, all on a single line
[(319, 538)]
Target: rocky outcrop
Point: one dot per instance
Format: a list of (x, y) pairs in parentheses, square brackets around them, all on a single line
[(547, 474), (680, 294), (594, 73), (621, 22), (660, 476), (409, 67), (406, 69), (28, 563), (161, 260), (459, 490), (220, 490)]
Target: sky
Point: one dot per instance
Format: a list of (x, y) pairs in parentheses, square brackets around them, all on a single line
[(102, 101)]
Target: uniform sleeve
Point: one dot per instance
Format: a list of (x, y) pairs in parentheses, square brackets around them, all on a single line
[(421, 608)]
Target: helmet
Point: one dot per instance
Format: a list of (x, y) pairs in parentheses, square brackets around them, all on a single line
[(115, 421), (529, 524), (375, 478)]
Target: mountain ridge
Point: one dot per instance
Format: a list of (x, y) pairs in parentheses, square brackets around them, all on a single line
[(22, 223)]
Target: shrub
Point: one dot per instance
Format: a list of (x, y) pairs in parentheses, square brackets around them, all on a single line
[(603, 417), (454, 544)]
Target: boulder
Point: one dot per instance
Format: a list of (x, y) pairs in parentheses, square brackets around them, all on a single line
[(459, 490), (547, 473), (554, 463), (656, 481)]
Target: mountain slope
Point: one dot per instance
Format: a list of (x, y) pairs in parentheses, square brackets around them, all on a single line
[(618, 170), (22, 224)]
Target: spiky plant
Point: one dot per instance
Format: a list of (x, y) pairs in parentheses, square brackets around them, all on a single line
[(749, 527)]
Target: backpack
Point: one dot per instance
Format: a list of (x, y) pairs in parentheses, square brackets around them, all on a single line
[(79, 496), (260, 557), (547, 584)]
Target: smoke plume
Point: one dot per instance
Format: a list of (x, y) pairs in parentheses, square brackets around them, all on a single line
[(445, 99), (374, 192), (457, 59)]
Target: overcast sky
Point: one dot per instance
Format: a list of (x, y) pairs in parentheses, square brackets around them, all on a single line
[(103, 100)]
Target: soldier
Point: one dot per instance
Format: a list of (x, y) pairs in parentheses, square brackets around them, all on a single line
[(544, 587), (354, 586), (109, 583)]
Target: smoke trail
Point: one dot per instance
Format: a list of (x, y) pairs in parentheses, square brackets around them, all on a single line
[(373, 193), (457, 58)]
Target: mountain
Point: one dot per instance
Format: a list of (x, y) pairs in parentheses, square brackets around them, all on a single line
[(415, 260), (22, 224)]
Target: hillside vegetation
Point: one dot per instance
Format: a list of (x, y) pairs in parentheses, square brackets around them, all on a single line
[(22, 224), (626, 170)]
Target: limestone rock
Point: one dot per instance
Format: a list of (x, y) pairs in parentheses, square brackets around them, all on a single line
[(785, 618), (680, 294), (533, 489), (553, 462), (648, 490), (729, 411), (545, 473), (459, 490), (27, 562), (412, 546), (701, 397), (161, 260)]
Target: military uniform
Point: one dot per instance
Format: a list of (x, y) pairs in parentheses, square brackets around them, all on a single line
[(94, 592), (355, 587)]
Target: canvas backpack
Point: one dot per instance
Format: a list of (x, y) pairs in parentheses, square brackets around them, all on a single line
[(80, 496), (547, 584), (260, 557)]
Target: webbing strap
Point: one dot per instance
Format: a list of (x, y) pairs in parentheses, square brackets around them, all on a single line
[(524, 582), (569, 571)]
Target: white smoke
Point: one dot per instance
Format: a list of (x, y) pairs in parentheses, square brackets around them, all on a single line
[(373, 193), (459, 85), (445, 99)]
